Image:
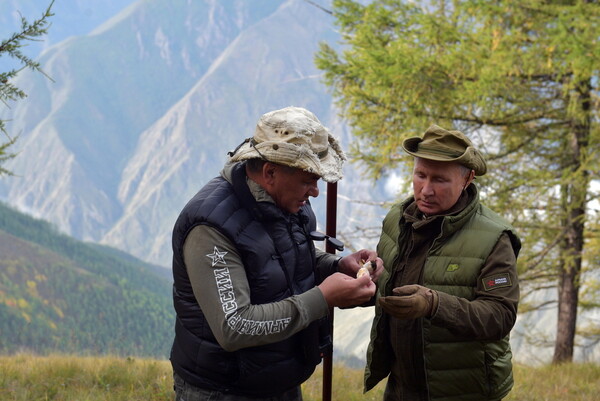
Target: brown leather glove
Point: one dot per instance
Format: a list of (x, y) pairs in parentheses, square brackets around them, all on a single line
[(410, 302)]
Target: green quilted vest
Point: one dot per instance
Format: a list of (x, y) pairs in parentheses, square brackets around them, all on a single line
[(456, 369)]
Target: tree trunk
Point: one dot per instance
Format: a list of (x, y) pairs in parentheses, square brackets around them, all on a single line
[(574, 197), (568, 297), (569, 279)]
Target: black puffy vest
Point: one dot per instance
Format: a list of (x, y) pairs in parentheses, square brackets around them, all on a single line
[(279, 259)]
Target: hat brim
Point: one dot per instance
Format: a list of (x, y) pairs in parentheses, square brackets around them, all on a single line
[(328, 167), (471, 158)]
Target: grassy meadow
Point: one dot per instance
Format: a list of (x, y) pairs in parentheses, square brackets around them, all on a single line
[(69, 378)]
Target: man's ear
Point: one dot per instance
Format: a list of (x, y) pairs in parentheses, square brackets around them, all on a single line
[(268, 171), (470, 178)]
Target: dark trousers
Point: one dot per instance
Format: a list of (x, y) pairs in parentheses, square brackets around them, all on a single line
[(186, 392)]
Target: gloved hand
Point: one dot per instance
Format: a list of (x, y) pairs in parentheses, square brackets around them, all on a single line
[(410, 302)]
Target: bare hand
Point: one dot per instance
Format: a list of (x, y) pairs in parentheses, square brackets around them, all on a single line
[(350, 264), (343, 291)]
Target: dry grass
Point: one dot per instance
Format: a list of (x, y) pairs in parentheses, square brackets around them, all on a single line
[(56, 377), (71, 378), (567, 382)]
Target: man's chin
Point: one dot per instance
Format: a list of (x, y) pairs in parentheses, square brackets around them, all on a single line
[(294, 209), (427, 209)]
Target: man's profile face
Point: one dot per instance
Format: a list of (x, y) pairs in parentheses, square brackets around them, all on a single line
[(291, 188), (438, 185)]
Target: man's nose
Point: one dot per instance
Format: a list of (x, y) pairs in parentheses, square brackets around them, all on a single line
[(313, 191), (427, 188)]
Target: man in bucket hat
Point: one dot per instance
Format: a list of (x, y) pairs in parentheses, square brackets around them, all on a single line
[(448, 297), (251, 291)]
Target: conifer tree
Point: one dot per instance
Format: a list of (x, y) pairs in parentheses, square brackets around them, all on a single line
[(521, 78), (12, 47)]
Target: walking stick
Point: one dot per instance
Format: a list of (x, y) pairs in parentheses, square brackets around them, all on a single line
[(330, 230)]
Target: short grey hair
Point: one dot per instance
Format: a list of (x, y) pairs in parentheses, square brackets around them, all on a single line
[(255, 165), (464, 170)]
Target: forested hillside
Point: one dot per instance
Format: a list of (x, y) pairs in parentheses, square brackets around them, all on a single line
[(58, 294)]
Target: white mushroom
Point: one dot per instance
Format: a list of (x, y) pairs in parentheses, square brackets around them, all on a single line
[(367, 268)]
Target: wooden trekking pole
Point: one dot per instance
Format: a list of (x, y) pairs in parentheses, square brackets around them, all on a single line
[(330, 230)]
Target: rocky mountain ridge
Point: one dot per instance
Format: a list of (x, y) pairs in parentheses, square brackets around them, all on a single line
[(143, 110)]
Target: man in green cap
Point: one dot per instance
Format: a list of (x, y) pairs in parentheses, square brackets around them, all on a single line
[(448, 297)]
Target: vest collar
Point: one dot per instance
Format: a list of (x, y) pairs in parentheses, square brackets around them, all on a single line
[(453, 220)]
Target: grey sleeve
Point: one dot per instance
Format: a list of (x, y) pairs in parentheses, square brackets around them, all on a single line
[(326, 265), (221, 288)]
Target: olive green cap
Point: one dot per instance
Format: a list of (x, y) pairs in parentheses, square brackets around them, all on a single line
[(448, 146)]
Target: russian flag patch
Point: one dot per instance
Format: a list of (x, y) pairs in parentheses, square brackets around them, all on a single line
[(496, 281)]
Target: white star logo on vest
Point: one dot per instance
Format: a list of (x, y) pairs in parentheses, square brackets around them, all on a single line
[(217, 256)]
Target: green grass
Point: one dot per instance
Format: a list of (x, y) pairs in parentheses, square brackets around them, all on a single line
[(74, 378)]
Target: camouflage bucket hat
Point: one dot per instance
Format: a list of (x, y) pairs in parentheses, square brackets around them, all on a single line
[(448, 146), (294, 137)]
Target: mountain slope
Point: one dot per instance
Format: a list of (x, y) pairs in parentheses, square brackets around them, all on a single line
[(59, 294), (78, 131), (71, 18), (143, 110), (180, 152)]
